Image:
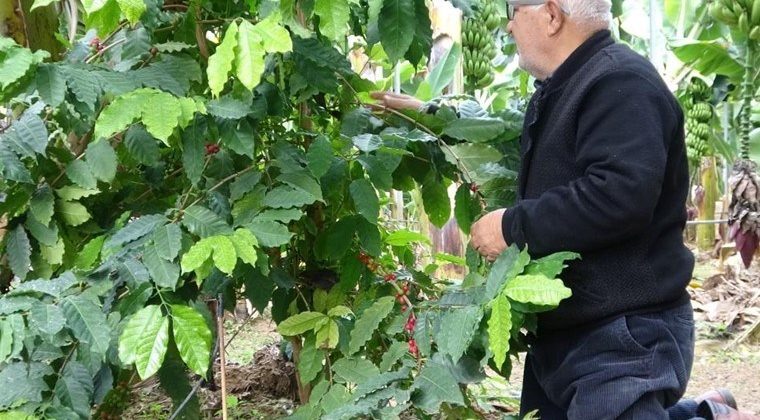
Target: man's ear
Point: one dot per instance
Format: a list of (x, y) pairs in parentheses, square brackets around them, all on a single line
[(556, 17)]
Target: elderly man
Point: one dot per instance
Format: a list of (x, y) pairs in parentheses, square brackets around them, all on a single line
[(604, 173)]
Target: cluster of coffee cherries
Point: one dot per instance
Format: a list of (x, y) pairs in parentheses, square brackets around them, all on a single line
[(409, 328), (96, 45), (212, 149), (368, 261), (402, 289)]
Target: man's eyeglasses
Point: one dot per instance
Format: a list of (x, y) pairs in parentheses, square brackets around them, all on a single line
[(512, 4)]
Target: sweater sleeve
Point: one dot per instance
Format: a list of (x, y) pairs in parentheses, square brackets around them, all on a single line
[(625, 125)]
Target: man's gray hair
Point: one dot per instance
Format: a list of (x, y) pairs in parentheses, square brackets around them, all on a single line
[(595, 13)]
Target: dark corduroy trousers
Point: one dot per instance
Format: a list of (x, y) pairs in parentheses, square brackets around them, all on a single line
[(634, 367)]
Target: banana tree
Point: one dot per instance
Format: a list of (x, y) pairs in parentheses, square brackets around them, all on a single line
[(734, 55)]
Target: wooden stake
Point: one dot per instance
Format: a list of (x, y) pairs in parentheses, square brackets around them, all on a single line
[(222, 361)]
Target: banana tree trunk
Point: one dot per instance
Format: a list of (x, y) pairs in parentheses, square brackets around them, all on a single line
[(34, 29), (706, 232)]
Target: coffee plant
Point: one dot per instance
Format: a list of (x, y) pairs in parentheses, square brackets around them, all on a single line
[(181, 151)]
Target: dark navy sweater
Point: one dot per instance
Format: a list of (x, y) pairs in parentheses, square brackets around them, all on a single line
[(604, 173)]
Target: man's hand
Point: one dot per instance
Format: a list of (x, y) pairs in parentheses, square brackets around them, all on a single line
[(486, 236), (395, 101)]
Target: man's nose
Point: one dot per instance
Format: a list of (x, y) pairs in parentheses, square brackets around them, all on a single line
[(509, 27)]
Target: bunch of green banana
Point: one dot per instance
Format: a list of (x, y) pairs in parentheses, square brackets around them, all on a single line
[(489, 15), (744, 15), (478, 44), (478, 50), (699, 112)]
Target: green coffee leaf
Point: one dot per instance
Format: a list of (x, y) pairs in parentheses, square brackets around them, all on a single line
[(499, 329), (196, 256), (21, 381), (537, 290), (47, 318), (354, 369), (71, 192), (459, 327), (73, 213), (475, 130), (136, 229), (193, 338), (466, 208), (310, 361), (164, 273), (395, 352), (54, 287), (333, 18), (249, 56), (6, 339), (53, 254), (368, 322), (19, 251), (80, 173), (551, 265), (50, 82), (45, 235), (436, 385), (279, 215), (286, 197), (327, 335), (87, 257), (339, 311), (365, 199), (245, 245), (471, 156), (435, 198), (27, 135), (41, 205), (88, 323), (102, 160), (270, 234), (301, 181), (405, 237), (74, 388), (162, 124), (300, 323), (379, 381), (320, 156), (132, 9), (168, 241), (337, 396), (274, 37), (396, 24), (144, 340), (204, 222), (224, 254), (220, 63), (510, 263)]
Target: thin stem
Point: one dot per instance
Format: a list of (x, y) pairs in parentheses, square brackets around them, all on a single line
[(218, 184), (68, 356), (329, 367), (200, 35), (103, 51), (305, 302)]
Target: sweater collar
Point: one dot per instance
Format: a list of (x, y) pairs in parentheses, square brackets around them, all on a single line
[(577, 59)]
